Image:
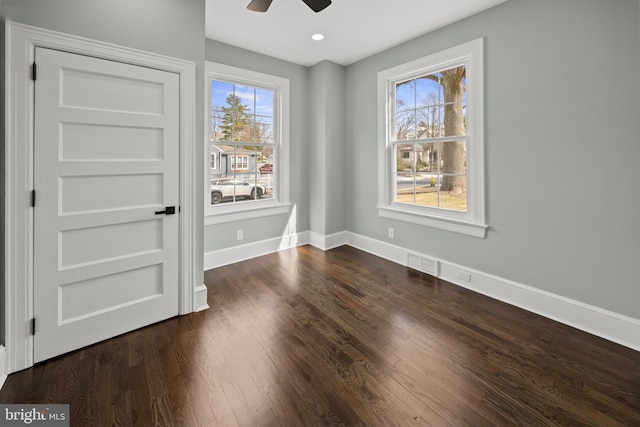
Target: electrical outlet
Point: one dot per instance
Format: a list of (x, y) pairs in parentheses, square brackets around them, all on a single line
[(240, 234), (392, 233)]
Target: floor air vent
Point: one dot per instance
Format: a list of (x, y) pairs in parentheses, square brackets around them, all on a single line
[(423, 264)]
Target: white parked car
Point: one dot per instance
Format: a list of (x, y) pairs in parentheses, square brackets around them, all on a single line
[(224, 188)]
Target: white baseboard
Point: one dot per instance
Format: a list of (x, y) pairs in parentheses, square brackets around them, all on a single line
[(3, 365), (376, 247), (606, 324), (239, 253), (200, 298), (327, 242)]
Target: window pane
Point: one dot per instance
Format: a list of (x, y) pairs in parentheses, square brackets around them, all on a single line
[(454, 180), (404, 158), (264, 102), (405, 187), (454, 89), (422, 127), (406, 125), (234, 113), (266, 168), (427, 157), (251, 190), (426, 195), (429, 91), (247, 98), (263, 130), (241, 126), (453, 201), (455, 120), (430, 122), (426, 191), (215, 126), (405, 173), (406, 95), (453, 158), (219, 93)]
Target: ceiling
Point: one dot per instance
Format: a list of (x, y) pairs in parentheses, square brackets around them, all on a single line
[(353, 29)]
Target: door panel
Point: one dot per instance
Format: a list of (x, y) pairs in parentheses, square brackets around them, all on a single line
[(95, 142), (135, 238), (108, 92), (91, 193), (106, 293), (106, 160)]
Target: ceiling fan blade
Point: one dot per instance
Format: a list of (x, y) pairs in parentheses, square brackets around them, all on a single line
[(317, 5), (259, 5)]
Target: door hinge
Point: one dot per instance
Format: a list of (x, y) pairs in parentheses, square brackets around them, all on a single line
[(33, 198), (32, 326), (33, 72)]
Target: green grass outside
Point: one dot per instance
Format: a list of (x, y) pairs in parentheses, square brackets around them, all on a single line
[(428, 196)]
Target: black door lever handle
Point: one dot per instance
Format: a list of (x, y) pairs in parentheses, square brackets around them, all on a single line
[(169, 210)]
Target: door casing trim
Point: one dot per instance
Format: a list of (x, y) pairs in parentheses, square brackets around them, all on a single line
[(20, 42)]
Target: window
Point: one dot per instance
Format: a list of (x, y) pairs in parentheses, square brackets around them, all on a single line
[(240, 163), (246, 174), (431, 141)]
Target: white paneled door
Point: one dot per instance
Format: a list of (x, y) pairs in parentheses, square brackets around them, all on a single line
[(106, 217)]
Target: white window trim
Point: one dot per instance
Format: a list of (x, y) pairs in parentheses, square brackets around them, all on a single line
[(259, 208), (472, 222)]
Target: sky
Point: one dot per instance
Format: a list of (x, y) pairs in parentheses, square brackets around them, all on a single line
[(259, 101)]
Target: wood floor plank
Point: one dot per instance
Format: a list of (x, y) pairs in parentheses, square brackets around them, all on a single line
[(304, 337)]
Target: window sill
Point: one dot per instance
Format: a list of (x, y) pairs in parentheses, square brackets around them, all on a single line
[(239, 212), (448, 224)]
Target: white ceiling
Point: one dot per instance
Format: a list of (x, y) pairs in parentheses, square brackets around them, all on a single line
[(353, 29)]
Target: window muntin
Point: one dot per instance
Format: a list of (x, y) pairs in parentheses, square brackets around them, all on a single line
[(431, 141)]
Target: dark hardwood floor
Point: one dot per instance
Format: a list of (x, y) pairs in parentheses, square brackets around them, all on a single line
[(310, 338)]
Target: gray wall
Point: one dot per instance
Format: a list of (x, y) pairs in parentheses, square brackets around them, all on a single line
[(327, 133), (561, 148), (169, 27), (224, 235)]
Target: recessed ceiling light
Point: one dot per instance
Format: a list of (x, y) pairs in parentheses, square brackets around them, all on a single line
[(317, 37)]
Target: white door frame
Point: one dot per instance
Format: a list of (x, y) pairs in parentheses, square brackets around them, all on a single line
[(21, 41)]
